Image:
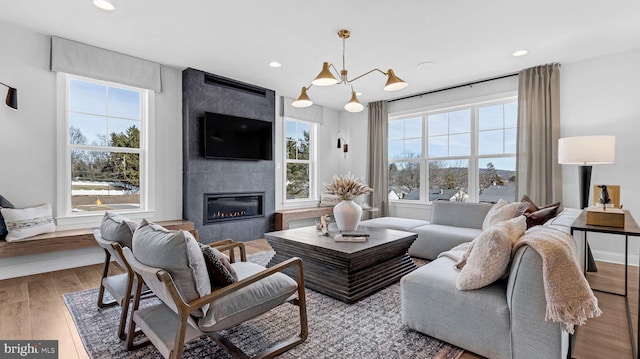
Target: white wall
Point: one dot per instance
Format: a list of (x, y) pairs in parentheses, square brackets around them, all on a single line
[(602, 96), (28, 136)]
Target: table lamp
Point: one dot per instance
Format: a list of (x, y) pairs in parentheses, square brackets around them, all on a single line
[(586, 151)]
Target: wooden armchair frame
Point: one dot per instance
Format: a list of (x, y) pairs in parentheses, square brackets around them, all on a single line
[(184, 309)]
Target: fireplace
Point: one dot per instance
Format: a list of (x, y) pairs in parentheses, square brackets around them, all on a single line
[(222, 207)]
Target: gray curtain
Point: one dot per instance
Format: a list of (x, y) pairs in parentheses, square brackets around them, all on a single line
[(538, 173), (378, 164)]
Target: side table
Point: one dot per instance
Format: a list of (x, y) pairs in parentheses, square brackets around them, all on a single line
[(630, 229)]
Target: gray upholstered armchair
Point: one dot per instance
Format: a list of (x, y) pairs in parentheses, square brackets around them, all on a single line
[(171, 264)]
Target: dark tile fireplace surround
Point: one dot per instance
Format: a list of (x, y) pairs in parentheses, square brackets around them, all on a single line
[(225, 198)]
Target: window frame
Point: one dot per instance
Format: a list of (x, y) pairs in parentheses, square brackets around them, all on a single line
[(473, 158), (65, 216), (312, 161)]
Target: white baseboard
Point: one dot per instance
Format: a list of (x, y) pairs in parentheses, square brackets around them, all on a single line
[(49, 262), (615, 257)]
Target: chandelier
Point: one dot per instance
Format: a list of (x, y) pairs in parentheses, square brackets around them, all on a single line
[(327, 78)]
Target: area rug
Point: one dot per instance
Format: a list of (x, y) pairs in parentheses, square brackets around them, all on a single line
[(370, 328)]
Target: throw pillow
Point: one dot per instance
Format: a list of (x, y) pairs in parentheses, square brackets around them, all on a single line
[(218, 266), (4, 203), (329, 200), (537, 216), (178, 253), (503, 211), (489, 256), (28, 222), (117, 228)]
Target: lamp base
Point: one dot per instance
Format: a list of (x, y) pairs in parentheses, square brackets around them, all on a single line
[(585, 186)]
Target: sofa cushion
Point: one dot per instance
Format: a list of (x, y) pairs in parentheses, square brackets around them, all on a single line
[(459, 214), (434, 239), (178, 253), (490, 253), (24, 223), (117, 228), (473, 320), (246, 303), (397, 223), (539, 215), (503, 211)]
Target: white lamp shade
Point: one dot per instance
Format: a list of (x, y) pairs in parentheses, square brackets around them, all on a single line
[(587, 150)]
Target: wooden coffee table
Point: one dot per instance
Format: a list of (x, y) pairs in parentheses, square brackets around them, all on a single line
[(345, 271)]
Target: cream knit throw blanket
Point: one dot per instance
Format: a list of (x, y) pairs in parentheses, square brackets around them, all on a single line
[(570, 300)]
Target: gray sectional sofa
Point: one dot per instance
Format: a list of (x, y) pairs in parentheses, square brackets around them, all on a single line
[(451, 223), (505, 320)]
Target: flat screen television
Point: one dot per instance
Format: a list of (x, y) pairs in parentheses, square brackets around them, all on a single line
[(232, 137)]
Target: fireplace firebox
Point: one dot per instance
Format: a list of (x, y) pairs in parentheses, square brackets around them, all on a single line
[(222, 207)]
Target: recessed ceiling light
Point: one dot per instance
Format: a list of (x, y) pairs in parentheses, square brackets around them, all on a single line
[(520, 53), (275, 64), (358, 93), (426, 64), (107, 5)]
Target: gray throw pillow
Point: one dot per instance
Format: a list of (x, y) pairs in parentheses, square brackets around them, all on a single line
[(178, 253), (117, 228)]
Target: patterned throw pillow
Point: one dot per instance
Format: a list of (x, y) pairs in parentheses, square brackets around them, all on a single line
[(28, 222), (4, 203), (218, 266), (537, 216), (503, 211)]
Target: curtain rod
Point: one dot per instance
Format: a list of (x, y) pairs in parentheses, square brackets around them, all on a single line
[(455, 87)]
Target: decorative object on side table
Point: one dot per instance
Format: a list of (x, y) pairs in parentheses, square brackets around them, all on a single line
[(323, 225), (607, 210), (347, 213)]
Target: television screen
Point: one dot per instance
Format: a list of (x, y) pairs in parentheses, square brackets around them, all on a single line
[(232, 137)]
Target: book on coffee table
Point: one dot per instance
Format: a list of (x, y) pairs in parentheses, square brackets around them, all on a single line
[(343, 238)]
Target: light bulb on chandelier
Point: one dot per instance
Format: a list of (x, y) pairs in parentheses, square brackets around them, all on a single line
[(327, 78)]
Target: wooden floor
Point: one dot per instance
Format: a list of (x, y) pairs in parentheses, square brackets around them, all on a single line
[(32, 308)]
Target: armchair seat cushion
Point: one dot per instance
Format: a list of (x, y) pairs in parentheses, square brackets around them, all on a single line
[(249, 301)]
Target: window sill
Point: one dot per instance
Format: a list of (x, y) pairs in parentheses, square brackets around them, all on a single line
[(93, 220)]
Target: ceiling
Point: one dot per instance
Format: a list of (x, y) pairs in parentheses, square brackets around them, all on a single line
[(467, 40)]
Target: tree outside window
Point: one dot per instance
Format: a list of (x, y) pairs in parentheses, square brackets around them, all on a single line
[(104, 144), (298, 159)]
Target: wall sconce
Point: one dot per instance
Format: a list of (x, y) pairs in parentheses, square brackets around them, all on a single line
[(12, 97), (345, 146)]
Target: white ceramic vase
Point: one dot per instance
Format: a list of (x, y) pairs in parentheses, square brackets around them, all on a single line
[(347, 214)]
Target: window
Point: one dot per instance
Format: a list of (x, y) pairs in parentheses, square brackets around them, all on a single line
[(104, 151), (462, 154), (299, 160)]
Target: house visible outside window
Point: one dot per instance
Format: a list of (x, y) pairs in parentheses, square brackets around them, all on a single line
[(299, 153), (462, 154), (105, 149)]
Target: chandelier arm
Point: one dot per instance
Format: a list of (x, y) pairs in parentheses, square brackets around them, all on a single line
[(365, 74), (342, 80)]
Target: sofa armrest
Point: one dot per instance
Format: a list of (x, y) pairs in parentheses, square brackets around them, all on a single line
[(531, 335)]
